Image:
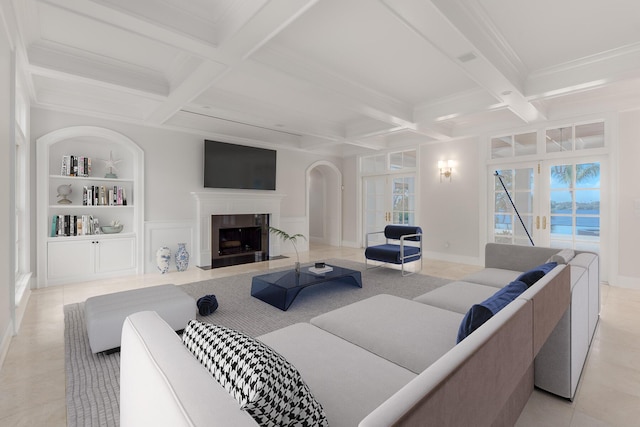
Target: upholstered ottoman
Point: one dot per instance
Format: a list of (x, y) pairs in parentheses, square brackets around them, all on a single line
[(105, 314)]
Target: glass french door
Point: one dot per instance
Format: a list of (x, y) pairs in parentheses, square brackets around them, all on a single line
[(559, 202), (388, 199), (573, 204), (514, 204)]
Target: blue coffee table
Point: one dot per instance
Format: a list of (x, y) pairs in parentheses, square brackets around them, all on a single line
[(281, 288)]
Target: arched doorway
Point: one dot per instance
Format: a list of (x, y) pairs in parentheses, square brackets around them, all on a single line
[(324, 204)]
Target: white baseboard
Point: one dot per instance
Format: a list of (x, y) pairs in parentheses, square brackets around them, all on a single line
[(351, 244), (626, 282)]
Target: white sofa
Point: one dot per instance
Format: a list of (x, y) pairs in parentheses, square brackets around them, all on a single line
[(379, 362)]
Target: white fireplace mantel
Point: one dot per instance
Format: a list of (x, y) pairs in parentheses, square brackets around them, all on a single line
[(232, 203)]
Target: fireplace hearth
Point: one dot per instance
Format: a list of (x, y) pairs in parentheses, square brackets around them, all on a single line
[(239, 239)]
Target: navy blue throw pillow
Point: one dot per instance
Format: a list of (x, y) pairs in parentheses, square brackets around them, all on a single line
[(478, 314), (532, 276), (207, 305)]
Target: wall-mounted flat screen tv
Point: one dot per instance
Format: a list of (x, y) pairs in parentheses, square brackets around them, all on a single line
[(238, 166)]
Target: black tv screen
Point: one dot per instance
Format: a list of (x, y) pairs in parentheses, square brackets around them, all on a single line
[(238, 166)]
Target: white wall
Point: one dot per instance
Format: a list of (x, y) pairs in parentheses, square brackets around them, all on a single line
[(628, 207), (449, 209)]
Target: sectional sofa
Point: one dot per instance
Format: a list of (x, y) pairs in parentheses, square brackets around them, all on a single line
[(387, 360)]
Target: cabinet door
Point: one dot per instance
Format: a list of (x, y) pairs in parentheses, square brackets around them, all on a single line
[(115, 255), (69, 259)]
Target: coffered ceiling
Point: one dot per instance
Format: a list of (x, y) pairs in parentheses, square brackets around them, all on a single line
[(331, 76)]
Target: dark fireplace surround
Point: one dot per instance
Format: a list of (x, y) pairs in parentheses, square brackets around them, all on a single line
[(239, 239)]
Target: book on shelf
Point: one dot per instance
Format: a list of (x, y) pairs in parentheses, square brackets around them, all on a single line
[(73, 165), (74, 225), (93, 195)]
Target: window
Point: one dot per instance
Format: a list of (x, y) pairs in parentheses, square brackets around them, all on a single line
[(575, 137), (21, 182), (514, 145)]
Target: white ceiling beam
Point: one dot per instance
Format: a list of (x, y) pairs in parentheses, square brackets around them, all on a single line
[(271, 19), (199, 81), (55, 62), (440, 22), (584, 74), (136, 25), (453, 106), (274, 17)]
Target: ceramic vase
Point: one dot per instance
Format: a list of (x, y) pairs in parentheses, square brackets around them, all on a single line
[(163, 256), (182, 257)]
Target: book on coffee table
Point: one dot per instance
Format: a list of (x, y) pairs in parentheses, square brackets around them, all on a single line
[(323, 270)]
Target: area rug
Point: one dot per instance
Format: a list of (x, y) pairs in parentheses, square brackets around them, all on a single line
[(93, 380)]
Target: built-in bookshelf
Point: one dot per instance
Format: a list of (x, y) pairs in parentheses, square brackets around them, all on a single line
[(88, 178)]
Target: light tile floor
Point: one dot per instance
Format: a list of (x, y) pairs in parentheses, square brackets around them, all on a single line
[(32, 379)]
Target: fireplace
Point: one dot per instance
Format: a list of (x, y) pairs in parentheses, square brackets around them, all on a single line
[(239, 239), (228, 203)]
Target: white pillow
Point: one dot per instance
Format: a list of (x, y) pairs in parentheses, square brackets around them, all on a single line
[(563, 257), (265, 384)]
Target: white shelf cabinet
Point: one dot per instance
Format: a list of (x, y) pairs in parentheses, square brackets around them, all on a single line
[(81, 258), (67, 259)]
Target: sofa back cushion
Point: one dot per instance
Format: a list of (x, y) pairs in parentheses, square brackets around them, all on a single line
[(532, 276), (395, 232), (263, 382), (516, 257), (478, 314)]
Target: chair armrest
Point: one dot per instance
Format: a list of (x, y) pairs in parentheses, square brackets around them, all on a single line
[(366, 242), (408, 236)]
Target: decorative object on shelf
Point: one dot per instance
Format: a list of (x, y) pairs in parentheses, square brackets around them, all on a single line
[(182, 257), (207, 305), (163, 256), (63, 191), (286, 237), (111, 165), (114, 228)]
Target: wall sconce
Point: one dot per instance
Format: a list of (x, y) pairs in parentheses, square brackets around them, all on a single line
[(445, 168)]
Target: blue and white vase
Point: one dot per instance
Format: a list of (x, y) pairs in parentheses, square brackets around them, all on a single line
[(182, 257), (163, 257)]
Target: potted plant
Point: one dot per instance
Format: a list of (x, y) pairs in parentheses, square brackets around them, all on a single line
[(286, 237)]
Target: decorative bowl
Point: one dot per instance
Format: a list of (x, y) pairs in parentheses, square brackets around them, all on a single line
[(111, 229)]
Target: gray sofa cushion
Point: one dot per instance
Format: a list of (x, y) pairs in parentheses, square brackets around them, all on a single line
[(405, 332), (348, 381), (496, 277), (457, 296)]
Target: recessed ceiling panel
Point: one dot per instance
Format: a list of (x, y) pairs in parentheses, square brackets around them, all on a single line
[(84, 34), (91, 99), (275, 91), (374, 49), (545, 33)]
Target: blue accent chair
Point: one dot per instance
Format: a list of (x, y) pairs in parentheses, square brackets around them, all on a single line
[(397, 249)]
